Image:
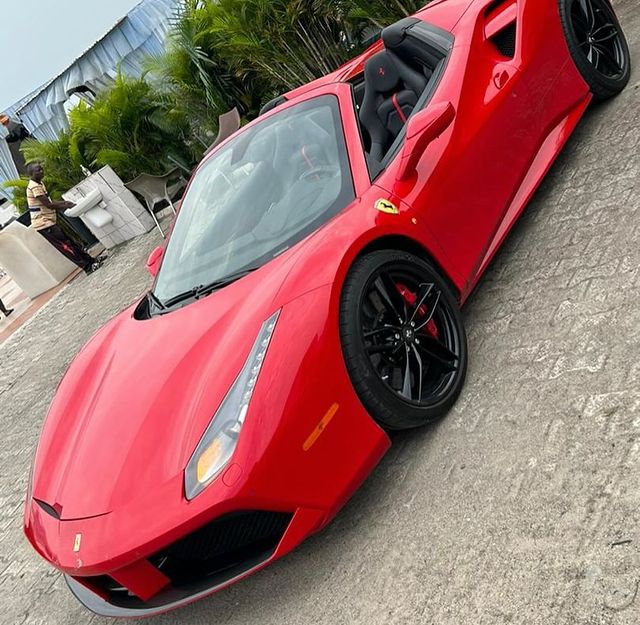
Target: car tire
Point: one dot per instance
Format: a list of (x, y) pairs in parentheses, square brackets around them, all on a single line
[(403, 339), (597, 44)]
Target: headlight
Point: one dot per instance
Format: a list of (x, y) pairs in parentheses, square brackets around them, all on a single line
[(219, 441)]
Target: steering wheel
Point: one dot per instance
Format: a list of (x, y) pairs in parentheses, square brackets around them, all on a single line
[(321, 171)]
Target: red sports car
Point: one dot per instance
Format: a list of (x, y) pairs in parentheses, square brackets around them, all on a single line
[(308, 301)]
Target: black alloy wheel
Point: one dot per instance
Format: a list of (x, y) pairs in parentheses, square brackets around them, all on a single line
[(403, 339), (597, 44)]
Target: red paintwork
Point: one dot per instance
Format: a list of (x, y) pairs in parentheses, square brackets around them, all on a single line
[(137, 399), (142, 578)]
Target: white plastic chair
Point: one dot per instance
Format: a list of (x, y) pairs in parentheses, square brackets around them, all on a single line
[(156, 189)]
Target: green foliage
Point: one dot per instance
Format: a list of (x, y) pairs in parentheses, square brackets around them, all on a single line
[(380, 13), (200, 81), (289, 41), (62, 168), (220, 54), (130, 127), (227, 53), (18, 188)]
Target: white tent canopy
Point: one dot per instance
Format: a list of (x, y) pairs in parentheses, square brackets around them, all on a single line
[(8, 169), (140, 33)]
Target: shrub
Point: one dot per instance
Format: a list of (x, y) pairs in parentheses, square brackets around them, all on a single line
[(244, 52), (131, 128), (18, 188)]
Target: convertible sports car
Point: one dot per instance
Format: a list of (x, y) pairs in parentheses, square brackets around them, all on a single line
[(308, 301)]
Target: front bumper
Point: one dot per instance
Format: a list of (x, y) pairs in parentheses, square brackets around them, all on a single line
[(204, 562)]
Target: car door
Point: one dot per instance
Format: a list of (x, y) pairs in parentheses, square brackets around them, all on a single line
[(466, 178)]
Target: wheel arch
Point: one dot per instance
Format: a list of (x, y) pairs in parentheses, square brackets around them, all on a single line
[(405, 243)]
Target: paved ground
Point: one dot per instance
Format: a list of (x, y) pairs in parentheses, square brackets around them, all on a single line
[(522, 507), (24, 308)]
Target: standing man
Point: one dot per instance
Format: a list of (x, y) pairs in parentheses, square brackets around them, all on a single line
[(44, 219)]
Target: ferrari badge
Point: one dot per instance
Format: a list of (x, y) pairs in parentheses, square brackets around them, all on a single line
[(384, 206)]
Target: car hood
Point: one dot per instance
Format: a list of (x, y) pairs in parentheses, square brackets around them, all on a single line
[(138, 397)]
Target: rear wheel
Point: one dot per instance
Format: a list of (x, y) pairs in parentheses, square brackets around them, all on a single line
[(403, 339), (597, 44)]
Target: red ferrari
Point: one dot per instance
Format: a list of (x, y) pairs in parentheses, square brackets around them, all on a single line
[(308, 301)]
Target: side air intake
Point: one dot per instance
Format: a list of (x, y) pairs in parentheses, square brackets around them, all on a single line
[(501, 26)]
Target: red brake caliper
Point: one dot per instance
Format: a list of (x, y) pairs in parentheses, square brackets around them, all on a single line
[(410, 297)]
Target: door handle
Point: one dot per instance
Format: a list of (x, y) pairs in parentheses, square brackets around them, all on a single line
[(502, 74)]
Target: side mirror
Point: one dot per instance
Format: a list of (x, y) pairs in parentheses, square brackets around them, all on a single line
[(154, 261), (423, 128)]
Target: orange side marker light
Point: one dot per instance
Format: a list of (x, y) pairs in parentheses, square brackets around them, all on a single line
[(315, 435)]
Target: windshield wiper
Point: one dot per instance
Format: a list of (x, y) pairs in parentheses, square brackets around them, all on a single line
[(206, 289), (156, 302)]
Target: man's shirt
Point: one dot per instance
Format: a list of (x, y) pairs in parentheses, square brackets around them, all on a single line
[(41, 216)]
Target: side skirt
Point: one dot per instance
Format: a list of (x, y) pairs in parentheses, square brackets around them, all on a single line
[(548, 153)]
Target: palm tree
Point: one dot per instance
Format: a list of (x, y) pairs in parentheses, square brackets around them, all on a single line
[(380, 13), (131, 128), (196, 78), (227, 53), (289, 41)]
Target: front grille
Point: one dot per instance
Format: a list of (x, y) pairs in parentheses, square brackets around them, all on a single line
[(216, 553), (223, 544)]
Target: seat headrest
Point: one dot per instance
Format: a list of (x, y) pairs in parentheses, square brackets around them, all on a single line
[(381, 72)]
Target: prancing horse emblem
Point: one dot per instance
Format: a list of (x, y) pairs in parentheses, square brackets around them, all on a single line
[(384, 206), (76, 544)]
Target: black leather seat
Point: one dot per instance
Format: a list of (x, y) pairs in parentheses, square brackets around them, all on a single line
[(392, 90)]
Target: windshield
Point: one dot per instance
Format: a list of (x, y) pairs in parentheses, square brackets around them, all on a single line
[(264, 191)]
